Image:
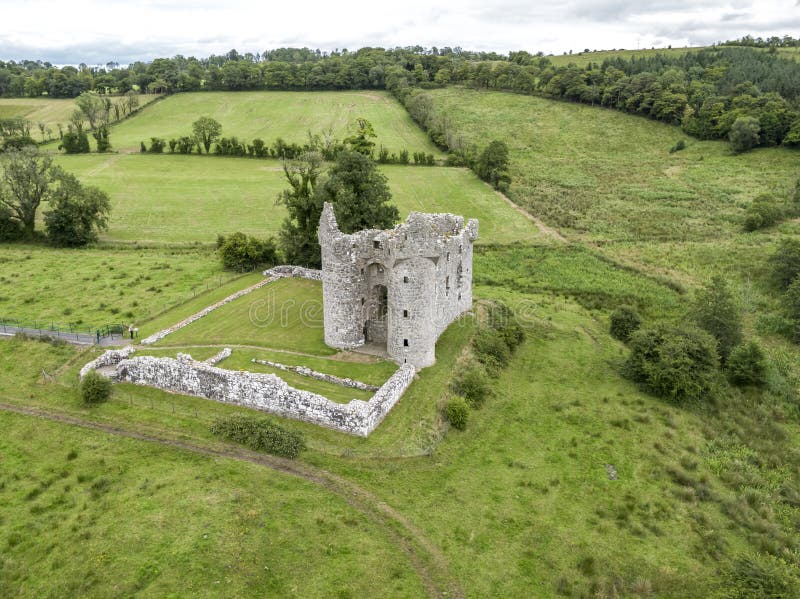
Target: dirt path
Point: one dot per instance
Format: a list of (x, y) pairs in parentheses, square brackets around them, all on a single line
[(543, 228), (427, 560)]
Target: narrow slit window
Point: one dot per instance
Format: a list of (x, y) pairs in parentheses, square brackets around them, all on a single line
[(405, 313), (405, 279), (405, 342), (376, 244)]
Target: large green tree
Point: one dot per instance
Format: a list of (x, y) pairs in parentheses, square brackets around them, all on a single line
[(492, 165), (206, 131), (360, 139), (77, 213), (25, 178), (298, 235), (744, 134), (91, 106), (359, 193)]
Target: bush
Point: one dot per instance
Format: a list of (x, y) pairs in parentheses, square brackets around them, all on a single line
[(473, 384), (74, 143), (95, 388), (785, 262), (744, 134), (625, 321), (491, 350), (679, 365), (679, 145), (259, 434), (763, 212), (747, 365), (244, 252), (157, 145), (10, 229), (757, 575), (456, 411), (715, 311)]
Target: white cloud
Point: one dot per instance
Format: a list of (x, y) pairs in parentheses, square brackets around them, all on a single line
[(94, 32)]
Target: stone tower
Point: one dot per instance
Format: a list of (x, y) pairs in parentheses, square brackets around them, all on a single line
[(401, 287)]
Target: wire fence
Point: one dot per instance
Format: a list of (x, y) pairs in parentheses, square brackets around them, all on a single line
[(66, 332)]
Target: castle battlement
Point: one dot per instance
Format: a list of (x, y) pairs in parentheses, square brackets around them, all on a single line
[(401, 286)]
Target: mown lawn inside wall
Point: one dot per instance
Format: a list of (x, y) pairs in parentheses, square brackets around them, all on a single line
[(185, 199), (285, 314)]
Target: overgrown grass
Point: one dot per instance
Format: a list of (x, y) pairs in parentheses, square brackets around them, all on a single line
[(92, 287)]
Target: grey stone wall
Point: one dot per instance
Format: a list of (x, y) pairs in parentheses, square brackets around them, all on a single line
[(425, 267), (266, 392), (111, 357), (320, 376), (299, 272)]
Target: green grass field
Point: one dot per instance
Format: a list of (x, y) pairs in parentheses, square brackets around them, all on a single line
[(582, 59), (194, 198), (269, 115), (49, 111), (286, 314), (93, 287)]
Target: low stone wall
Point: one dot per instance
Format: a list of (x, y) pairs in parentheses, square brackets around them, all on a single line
[(265, 392), (224, 354), (299, 272), (320, 376), (111, 357)]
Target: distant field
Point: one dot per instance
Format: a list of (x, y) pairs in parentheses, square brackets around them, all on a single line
[(50, 111), (193, 198), (582, 59), (269, 115)]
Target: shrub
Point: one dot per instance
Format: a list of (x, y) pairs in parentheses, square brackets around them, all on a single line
[(95, 388), (625, 321), (74, 142), (785, 262), (679, 365), (259, 434), (747, 365), (245, 252), (10, 229), (744, 134), (473, 384), (456, 411), (679, 145), (142, 147), (763, 212), (157, 145), (757, 575), (491, 350), (715, 311)]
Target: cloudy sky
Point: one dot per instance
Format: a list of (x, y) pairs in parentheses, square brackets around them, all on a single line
[(95, 32)]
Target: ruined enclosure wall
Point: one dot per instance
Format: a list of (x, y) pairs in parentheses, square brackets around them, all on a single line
[(266, 392)]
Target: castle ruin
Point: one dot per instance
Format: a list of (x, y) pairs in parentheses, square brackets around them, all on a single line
[(400, 288)]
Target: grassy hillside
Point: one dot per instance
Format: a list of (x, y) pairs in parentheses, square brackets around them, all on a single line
[(50, 111), (269, 115), (195, 198), (582, 59)]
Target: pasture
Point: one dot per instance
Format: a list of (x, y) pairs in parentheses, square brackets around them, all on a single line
[(269, 115), (183, 199), (49, 111), (582, 59)]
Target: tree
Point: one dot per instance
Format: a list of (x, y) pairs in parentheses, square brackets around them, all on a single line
[(679, 365), (244, 252), (492, 165), (744, 134), (298, 235), (206, 130), (74, 142), (747, 365), (359, 193), (785, 262), (77, 213), (91, 106), (715, 311), (25, 183), (101, 137), (361, 138), (625, 321)]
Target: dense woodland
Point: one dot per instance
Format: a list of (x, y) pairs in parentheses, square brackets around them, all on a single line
[(704, 91)]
